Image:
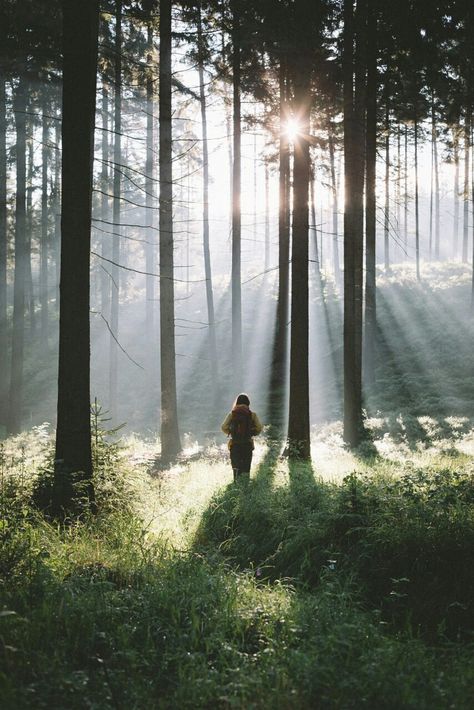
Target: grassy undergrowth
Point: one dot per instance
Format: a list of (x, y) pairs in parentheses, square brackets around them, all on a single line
[(294, 591)]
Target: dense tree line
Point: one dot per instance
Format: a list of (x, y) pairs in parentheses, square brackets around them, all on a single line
[(365, 84)]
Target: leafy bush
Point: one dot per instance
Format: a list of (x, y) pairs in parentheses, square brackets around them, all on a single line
[(409, 541)]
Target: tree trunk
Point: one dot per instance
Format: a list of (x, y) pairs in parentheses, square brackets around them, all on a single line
[(73, 460), (44, 245), (472, 228), (19, 282), (314, 226), (105, 281), (205, 218), (354, 100), (3, 256), (29, 231), (57, 214), (455, 132), (467, 146), (236, 208), (417, 206), (299, 425), (150, 191), (278, 375), (170, 442), (436, 191), (405, 205), (255, 197), (228, 130), (398, 193), (116, 215), (370, 202), (430, 242), (386, 223), (335, 220), (266, 259)]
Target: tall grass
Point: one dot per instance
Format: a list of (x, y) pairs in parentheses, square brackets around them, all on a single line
[(294, 594), (407, 540)]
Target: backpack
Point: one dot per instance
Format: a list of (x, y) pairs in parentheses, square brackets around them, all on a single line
[(241, 425)]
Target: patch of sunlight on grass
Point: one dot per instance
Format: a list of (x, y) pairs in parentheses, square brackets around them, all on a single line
[(173, 500), (331, 459), (388, 448), (25, 452), (440, 276), (466, 444), (457, 422)]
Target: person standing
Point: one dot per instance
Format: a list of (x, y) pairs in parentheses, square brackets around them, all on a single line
[(241, 425)]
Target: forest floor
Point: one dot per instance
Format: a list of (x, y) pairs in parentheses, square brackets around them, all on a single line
[(342, 584)]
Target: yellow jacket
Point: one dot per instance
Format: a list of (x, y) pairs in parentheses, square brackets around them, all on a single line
[(256, 424)]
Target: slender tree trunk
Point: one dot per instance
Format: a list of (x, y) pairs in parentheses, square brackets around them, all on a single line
[(170, 442), (398, 193), (228, 130), (44, 245), (278, 376), (417, 206), (472, 228), (105, 283), (405, 205), (255, 197), (73, 460), (150, 190), (116, 215), (354, 100), (283, 220), (467, 146), (30, 305), (335, 220), (236, 207), (436, 191), (205, 218), (314, 225), (3, 256), (266, 260), (189, 215), (430, 243), (299, 424), (386, 225), (321, 241), (18, 334), (57, 214), (370, 203), (455, 132)]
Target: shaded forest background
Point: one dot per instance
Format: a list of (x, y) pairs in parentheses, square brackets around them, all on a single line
[(274, 78)]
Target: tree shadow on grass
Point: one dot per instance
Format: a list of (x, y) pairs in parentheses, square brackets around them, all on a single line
[(258, 524), (236, 518), (301, 474)]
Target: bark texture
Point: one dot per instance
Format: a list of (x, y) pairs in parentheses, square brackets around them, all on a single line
[(236, 207), (170, 441), (73, 460), (21, 270)]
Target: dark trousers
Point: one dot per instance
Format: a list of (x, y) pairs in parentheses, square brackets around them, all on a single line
[(241, 459)]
